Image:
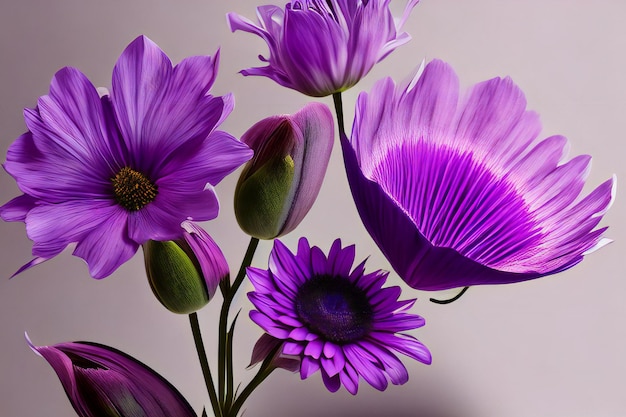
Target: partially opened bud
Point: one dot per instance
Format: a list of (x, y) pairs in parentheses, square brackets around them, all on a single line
[(184, 274), (280, 183), (102, 381)]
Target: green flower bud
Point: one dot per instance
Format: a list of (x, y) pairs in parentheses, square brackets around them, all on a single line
[(184, 274), (280, 183)]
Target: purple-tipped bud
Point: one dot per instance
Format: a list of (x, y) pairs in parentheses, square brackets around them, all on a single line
[(102, 381), (280, 183), (184, 274)]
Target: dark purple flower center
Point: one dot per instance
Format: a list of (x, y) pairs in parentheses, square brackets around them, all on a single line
[(334, 308), (132, 189)]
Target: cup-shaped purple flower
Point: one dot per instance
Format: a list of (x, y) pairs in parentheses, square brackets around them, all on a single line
[(332, 318), (184, 274), (279, 185), (102, 381), (321, 47), (110, 173), (460, 192)]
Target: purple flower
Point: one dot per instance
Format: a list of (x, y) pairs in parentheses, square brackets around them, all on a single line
[(460, 192), (102, 381), (279, 185), (109, 173), (184, 274), (320, 47), (339, 321)]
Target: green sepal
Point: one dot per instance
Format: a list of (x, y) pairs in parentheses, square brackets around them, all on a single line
[(261, 198), (174, 278)]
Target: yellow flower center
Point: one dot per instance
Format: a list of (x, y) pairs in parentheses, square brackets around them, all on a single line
[(132, 189)]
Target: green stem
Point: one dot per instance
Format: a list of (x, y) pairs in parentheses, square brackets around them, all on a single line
[(266, 369), (204, 364), (339, 111), (224, 345), (228, 401)]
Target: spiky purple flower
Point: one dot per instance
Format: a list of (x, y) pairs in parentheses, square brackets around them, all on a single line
[(334, 319), (460, 192), (320, 47), (102, 381), (109, 173)]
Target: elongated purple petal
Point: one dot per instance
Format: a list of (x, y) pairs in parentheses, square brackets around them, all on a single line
[(98, 379), (17, 209), (209, 255), (315, 129)]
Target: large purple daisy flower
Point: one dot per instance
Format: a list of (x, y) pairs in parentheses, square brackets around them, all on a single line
[(320, 47), (111, 172), (460, 192), (339, 321)]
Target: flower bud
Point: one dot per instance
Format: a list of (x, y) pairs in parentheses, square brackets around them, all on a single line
[(102, 381), (184, 274), (280, 183)]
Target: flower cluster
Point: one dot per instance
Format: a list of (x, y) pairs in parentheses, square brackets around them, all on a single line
[(455, 189)]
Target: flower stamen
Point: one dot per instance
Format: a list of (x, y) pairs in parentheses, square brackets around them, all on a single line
[(132, 189), (335, 308)]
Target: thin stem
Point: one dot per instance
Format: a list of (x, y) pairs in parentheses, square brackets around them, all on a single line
[(223, 345), (450, 300), (204, 363), (339, 112), (266, 369), (228, 401)]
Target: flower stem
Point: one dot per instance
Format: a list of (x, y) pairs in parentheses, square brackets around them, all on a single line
[(450, 300), (225, 385), (266, 369), (204, 364), (339, 111)]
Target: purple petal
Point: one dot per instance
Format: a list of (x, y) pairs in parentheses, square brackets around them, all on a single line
[(104, 256), (33, 168), (332, 383), (161, 219), (17, 209), (95, 375), (314, 127), (350, 379), (365, 367), (344, 40), (455, 195), (208, 254), (308, 367), (160, 108)]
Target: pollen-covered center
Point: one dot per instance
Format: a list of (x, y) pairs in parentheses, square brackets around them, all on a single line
[(334, 308), (132, 189)]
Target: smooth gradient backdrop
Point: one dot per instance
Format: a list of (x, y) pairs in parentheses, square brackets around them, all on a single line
[(550, 347)]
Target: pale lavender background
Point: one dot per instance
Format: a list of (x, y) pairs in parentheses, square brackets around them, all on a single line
[(550, 347)]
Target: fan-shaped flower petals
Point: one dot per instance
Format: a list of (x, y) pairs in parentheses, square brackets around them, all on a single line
[(332, 318), (320, 47), (459, 192), (111, 172), (102, 381)]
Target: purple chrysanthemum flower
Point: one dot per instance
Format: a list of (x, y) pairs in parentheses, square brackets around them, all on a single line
[(339, 321), (460, 192), (320, 47), (111, 172)]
